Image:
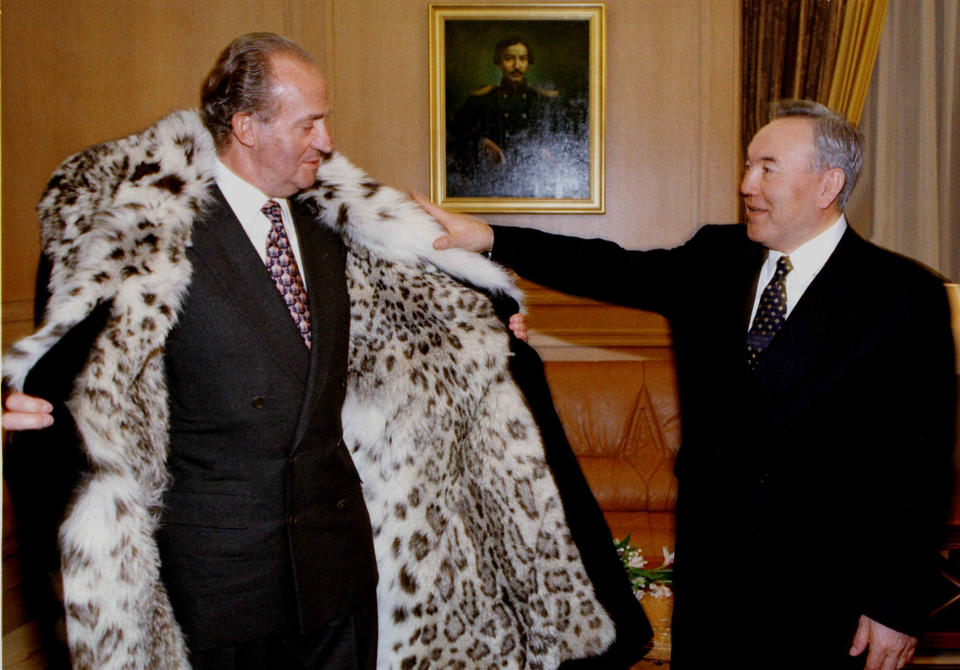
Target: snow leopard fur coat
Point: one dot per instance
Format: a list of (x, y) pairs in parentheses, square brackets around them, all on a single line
[(477, 567)]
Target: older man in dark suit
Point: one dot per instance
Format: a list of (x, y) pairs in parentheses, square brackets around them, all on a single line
[(264, 411), (818, 400)]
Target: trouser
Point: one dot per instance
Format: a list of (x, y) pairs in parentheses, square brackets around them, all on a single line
[(348, 642)]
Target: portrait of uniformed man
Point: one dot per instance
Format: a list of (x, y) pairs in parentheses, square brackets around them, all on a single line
[(521, 137)]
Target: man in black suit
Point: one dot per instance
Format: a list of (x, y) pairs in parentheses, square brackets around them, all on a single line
[(265, 542), (817, 389)]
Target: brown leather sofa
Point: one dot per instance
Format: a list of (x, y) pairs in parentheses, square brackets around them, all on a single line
[(622, 419)]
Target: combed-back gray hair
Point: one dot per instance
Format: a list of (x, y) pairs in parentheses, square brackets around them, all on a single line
[(838, 143), (240, 81)]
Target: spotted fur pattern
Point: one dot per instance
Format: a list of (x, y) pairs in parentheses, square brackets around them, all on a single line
[(115, 222), (477, 566)]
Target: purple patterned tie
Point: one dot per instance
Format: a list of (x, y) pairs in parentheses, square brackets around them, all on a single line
[(282, 266)]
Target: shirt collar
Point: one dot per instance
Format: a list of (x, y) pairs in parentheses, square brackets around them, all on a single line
[(244, 198), (810, 257)]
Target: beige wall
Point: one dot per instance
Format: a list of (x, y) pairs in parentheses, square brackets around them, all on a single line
[(75, 72)]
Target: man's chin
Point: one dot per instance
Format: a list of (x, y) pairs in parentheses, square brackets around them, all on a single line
[(755, 229), (304, 180)]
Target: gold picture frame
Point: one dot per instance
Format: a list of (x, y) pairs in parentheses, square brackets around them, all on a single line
[(517, 127)]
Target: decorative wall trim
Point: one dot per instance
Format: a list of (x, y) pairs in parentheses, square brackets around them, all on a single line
[(17, 321), (17, 310), (562, 320)]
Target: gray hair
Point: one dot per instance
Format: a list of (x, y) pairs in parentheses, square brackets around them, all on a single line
[(838, 142), (240, 81)]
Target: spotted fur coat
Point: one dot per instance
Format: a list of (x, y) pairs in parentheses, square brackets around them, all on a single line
[(476, 561)]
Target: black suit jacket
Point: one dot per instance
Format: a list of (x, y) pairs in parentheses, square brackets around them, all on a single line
[(265, 527), (813, 490)]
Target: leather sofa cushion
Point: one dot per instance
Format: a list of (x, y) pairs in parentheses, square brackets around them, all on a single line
[(622, 419)]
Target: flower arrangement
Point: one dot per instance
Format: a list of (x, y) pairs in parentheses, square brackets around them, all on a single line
[(655, 581)]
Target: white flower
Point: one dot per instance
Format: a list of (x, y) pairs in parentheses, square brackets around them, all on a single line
[(660, 591), (642, 578), (667, 557)]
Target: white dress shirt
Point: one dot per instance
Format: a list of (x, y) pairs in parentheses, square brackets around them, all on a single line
[(245, 200), (807, 260)]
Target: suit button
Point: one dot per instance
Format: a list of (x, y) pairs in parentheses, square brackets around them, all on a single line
[(292, 520), (257, 402), (341, 503)]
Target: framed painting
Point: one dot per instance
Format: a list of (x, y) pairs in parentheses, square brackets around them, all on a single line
[(517, 107)]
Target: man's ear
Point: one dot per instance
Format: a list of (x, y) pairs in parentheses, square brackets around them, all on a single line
[(244, 128), (831, 183)]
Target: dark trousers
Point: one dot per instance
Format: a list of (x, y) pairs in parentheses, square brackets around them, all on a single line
[(348, 642)]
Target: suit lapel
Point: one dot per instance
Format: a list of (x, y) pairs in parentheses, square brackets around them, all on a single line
[(220, 243), (747, 310), (323, 260)]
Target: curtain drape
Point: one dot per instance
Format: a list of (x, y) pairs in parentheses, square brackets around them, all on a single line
[(789, 50), (820, 50), (909, 196), (856, 54)]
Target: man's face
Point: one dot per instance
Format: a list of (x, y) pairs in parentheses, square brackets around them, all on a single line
[(780, 186), (289, 148), (514, 62)]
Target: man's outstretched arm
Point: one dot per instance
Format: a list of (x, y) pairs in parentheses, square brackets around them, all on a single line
[(463, 231)]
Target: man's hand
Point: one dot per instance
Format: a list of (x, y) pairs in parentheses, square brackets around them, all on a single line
[(518, 325), (26, 412), (889, 649), (464, 232)]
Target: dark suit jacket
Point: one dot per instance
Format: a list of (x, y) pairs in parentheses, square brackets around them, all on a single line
[(813, 490), (265, 526)]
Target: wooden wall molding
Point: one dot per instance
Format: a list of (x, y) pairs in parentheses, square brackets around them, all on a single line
[(559, 320)]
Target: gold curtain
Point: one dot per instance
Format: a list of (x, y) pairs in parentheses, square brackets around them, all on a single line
[(820, 50), (789, 51), (856, 54)]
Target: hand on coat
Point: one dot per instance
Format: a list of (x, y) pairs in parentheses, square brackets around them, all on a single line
[(518, 325), (889, 649), (25, 412), (471, 233), (464, 232)]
